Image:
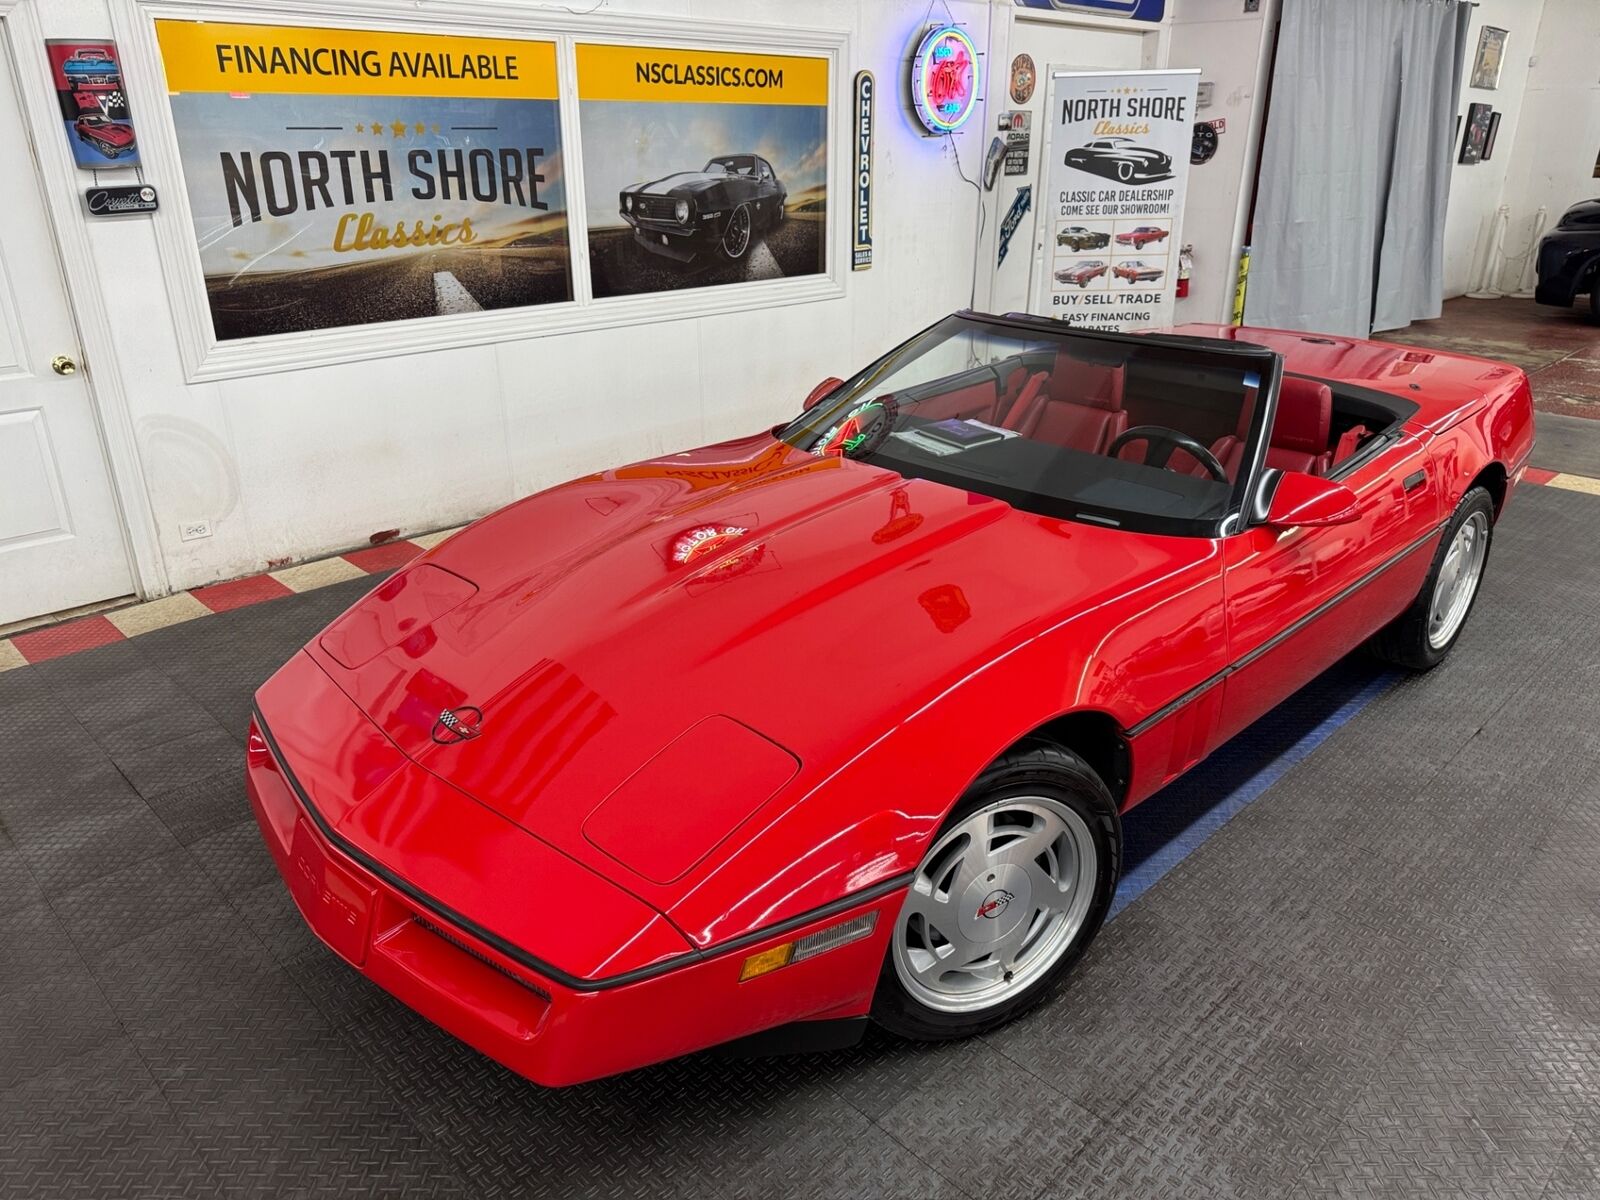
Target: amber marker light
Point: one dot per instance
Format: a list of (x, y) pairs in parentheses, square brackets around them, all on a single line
[(813, 944)]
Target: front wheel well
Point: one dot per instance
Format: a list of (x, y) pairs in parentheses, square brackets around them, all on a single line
[(1096, 738)]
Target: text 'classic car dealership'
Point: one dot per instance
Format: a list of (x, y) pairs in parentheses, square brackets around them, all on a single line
[(751, 599)]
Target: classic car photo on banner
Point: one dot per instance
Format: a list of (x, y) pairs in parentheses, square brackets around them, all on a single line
[(339, 177), (1117, 170), (702, 167), (94, 105)]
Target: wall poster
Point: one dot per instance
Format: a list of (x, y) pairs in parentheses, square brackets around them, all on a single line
[(702, 167), (339, 177), (1116, 171), (94, 105)]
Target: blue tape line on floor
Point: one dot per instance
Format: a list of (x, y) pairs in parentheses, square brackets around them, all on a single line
[(1349, 687)]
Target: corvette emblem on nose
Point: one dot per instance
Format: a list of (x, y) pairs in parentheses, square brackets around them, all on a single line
[(458, 725)]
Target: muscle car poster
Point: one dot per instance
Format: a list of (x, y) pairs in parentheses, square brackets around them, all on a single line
[(702, 167), (1117, 166), (94, 106), (339, 177)]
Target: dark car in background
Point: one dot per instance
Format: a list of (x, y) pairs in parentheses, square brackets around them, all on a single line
[(1122, 159), (1569, 259), (1079, 238), (721, 208), (111, 138)]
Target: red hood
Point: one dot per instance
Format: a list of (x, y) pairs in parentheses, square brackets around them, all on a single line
[(852, 598)]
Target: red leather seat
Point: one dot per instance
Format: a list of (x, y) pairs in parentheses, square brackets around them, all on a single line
[(1299, 434), (1080, 409), (1349, 441)]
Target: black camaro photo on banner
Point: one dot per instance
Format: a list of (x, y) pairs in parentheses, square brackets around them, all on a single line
[(717, 210), (702, 167)]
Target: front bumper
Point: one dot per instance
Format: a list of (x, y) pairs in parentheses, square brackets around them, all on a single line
[(553, 1028), (681, 243)]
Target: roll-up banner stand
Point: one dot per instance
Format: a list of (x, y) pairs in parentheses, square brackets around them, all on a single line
[(1110, 219)]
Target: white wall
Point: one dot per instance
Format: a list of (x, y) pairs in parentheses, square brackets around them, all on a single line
[(1552, 159), (292, 465), (1476, 189), (1232, 48)]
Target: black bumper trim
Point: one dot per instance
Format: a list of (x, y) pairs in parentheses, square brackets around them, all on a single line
[(521, 957)]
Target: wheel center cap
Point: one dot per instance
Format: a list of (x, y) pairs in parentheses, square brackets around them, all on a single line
[(995, 903)]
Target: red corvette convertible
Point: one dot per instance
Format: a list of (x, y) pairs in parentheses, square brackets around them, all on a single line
[(837, 722)]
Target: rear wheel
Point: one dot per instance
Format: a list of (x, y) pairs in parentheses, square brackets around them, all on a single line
[(1014, 887), (1421, 636)]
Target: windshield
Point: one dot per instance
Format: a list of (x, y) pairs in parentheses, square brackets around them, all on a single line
[(731, 166), (1142, 433)]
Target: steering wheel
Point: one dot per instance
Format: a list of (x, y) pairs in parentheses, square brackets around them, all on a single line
[(1160, 436)]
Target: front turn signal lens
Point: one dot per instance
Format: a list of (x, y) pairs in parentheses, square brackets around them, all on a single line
[(767, 961), (829, 938)]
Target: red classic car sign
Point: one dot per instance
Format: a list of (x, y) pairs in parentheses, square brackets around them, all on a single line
[(94, 106)]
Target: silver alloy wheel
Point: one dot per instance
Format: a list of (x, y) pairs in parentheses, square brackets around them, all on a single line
[(736, 238), (1459, 574), (995, 903)]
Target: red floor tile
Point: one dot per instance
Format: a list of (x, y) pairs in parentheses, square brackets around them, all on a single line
[(237, 593), (67, 638), (385, 557), (1538, 475)]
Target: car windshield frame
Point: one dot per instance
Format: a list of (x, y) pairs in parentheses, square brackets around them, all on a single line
[(1261, 368)]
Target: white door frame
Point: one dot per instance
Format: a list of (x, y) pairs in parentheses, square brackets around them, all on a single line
[(22, 37)]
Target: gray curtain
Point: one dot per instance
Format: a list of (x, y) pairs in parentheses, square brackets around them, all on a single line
[(1348, 234)]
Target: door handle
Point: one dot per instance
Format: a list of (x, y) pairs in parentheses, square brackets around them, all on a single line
[(62, 365)]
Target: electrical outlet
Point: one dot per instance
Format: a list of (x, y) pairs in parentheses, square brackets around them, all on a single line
[(190, 531)]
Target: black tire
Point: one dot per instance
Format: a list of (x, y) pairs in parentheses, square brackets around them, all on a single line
[(1404, 641), (1031, 769), (740, 214)]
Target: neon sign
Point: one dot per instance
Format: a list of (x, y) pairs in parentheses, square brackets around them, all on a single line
[(944, 79)]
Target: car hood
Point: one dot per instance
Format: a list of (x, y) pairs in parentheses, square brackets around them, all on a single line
[(685, 603), (110, 133), (694, 181)]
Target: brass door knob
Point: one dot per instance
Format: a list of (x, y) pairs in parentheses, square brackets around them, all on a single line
[(62, 365)]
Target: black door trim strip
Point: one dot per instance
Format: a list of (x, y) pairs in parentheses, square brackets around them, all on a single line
[(537, 965), (1283, 635)]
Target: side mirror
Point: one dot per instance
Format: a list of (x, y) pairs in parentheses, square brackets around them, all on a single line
[(822, 391), (1301, 499)]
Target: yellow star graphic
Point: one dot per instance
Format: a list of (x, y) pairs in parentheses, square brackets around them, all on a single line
[(377, 129), (398, 128), (360, 128), (421, 128), (436, 127)]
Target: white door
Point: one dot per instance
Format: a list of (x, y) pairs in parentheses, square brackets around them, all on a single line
[(61, 540), (1051, 44)]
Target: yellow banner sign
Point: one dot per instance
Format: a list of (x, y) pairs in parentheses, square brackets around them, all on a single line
[(699, 76), (203, 56)]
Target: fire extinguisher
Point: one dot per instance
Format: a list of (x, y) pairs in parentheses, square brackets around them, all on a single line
[(1185, 268)]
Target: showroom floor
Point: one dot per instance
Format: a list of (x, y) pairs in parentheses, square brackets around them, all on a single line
[(1381, 976)]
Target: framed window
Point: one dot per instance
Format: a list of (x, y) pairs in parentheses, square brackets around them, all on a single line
[(338, 189)]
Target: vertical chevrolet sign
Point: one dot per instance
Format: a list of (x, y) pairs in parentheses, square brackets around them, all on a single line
[(861, 259)]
